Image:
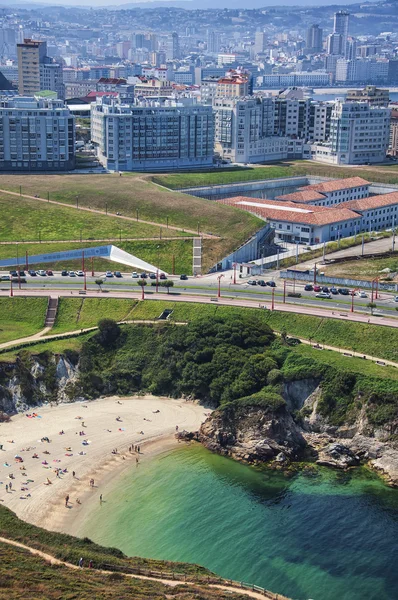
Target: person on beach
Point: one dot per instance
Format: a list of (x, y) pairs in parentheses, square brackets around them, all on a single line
[(7, 488), (100, 498), (176, 427), (73, 474), (66, 500), (10, 486)]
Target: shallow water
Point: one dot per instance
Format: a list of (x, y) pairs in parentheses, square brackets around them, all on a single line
[(330, 536)]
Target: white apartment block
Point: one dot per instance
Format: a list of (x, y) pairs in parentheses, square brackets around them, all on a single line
[(359, 134), (244, 130), (36, 135), (152, 135)]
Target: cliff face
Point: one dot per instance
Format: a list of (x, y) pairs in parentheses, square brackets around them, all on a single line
[(31, 381), (298, 430)]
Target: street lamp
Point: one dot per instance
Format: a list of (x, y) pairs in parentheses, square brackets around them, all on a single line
[(219, 285), (77, 201)]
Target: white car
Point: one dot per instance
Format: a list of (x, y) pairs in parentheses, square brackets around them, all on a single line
[(109, 274), (134, 275), (323, 295), (41, 272), (396, 299), (79, 273), (363, 295), (72, 274)]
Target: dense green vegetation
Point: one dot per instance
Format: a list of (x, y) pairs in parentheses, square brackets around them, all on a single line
[(21, 317), (220, 360)]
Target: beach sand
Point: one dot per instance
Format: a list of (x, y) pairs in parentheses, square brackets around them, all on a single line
[(43, 504)]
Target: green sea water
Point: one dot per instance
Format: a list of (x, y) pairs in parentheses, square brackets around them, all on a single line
[(329, 536)]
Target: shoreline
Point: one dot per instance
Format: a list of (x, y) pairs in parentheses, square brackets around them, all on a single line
[(109, 423)]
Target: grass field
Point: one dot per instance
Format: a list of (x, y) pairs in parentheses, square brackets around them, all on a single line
[(383, 174), (363, 269), (21, 317), (128, 195), (79, 313), (25, 219), (147, 250)]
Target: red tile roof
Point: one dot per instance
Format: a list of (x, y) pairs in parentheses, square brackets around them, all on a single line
[(292, 212), (373, 202), (304, 196), (337, 184)]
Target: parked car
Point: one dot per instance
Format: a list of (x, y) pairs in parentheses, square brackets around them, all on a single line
[(308, 287), (152, 275), (32, 273), (134, 275), (261, 282), (22, 273), (143, 275), (343, 291), (109, 274), (72, 274), (184, 277), (64, 273), (117, 274), (325, 289), (271, 283), (79, 274), (252, 282), (49, 272), (333, 291), (13, 274), (323, 295), (5, 278), (363, 295), (41, 272), (162, 276), (396, 299), (317, 288)]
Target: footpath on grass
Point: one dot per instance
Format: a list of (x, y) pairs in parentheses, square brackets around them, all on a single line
[(225, 585), (42, 337), (108, 214)]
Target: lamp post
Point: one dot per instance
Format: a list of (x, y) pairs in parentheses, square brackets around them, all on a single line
[(85, 281), (273, 299), (352, 300), (11, 290), (284, 291), (219, 285), (234, 273), (157, 270), (77, 201)]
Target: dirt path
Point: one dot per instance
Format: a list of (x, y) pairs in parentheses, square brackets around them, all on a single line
[(108, 214), (170, 582)]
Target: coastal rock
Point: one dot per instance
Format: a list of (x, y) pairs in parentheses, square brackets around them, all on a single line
[(338, 456)]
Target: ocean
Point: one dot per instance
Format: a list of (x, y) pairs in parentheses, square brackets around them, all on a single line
[(325, 536)]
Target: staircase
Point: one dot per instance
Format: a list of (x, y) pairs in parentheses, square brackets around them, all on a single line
[(52, 308)]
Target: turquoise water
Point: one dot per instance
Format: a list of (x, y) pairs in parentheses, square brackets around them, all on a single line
[(330, 536)]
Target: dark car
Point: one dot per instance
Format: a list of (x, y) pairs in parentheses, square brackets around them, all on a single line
[(343, 291), (325, 289), (152, 276), (13, 274), (308, 287), (117, 274), (184, 277), (333, 290), (143, 275), (32, 273), (271, 283), (64, 273), (22, 273), (261, 282), (162, 276), (49, 272)]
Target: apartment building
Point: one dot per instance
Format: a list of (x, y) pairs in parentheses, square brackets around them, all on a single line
[(37, 71), (371, 94), (378, 212), (359, 134), (244, 130), (153, 87), (36, 135), (235, 84), (152, 135)]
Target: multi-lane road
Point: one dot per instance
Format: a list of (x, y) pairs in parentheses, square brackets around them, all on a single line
[(207, 286)]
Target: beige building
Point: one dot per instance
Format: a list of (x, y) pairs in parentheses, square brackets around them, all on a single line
[(371, 94), (234, 85), (31, 54), (152, 87)]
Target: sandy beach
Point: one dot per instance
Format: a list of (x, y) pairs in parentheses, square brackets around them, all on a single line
[(38, 493)]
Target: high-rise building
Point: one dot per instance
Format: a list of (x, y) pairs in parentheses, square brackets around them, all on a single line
[(341, 19), (36, 71), (213, 42), (152, 135), (36, 135), (260, 42), (235, 84), (173, 47), (314, 38), (335, 44), (371, 94)]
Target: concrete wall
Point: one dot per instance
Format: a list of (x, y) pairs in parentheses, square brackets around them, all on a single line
[(247, 252)]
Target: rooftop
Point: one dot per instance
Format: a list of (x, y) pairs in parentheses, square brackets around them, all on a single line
[(337, 184), (304, 196), (373, 201)]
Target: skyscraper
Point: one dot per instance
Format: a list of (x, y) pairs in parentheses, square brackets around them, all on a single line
[(37, 71), (173, 47), (213, 42), (314, 38), (341, 19), (260, 41)]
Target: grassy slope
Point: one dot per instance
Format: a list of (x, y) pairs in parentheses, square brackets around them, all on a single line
[(146, 250), (129, 194), (76, 313), (25, 219), (21, 317), (362, 269), (384, 173)]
